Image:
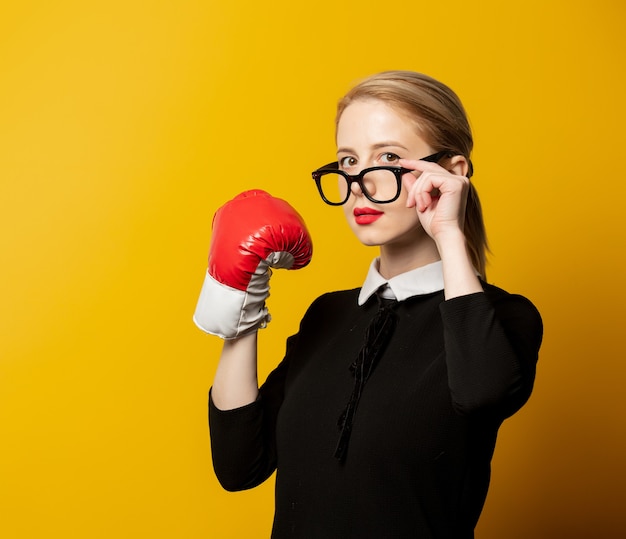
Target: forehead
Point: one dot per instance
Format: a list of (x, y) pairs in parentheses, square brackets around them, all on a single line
[(372, 120)]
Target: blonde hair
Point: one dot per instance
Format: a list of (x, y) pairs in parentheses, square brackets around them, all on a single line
[(441, 120)]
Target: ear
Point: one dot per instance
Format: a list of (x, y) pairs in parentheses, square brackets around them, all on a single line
[(458, 165)]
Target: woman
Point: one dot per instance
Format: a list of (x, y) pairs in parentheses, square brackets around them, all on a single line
[(381, 420)]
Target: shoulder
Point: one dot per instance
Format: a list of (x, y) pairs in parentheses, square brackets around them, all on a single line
[(330, 307), (503, 299), (338, 300), (324, 316), (515, 310)]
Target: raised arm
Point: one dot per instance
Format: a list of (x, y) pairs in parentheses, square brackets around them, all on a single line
[(252, 233), (236, 383), (440, 196)]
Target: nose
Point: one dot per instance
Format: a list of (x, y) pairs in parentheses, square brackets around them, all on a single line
[(355, 189)]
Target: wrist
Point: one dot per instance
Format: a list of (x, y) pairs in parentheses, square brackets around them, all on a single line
[(450, 241), (459, 274)]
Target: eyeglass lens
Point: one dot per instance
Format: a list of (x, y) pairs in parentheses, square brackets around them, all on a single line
[(379, 185)]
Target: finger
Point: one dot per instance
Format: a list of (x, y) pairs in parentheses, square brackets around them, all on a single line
[(430, 183), (419, 186), (423, 198), (420, 166), (426, 167), (409, 181), (439, 184)]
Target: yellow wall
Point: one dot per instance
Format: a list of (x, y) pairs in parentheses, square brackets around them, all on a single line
[(125, 124)]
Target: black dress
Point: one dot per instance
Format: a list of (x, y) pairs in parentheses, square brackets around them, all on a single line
[(417, 461)]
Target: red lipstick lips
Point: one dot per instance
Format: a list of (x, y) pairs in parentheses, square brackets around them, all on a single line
[(366, 216)]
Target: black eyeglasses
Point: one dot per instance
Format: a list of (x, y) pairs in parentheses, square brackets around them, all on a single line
[(381, 185)]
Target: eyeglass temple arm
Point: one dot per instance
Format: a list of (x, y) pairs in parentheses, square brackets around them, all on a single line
[(330, 166)]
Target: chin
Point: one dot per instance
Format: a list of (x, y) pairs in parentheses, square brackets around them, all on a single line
[(370, 239), (376, 237)]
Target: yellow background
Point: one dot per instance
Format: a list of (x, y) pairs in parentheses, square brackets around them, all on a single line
[(125, 124)]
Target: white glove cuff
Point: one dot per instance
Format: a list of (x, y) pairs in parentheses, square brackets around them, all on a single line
[(230, 313)]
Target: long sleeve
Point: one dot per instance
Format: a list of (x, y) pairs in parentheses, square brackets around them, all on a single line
[(492, 342), (243, 441)]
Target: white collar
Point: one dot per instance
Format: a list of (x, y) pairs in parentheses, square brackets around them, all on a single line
[(424, 280)]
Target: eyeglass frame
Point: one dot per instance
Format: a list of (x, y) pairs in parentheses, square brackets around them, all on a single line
[(358, 178)]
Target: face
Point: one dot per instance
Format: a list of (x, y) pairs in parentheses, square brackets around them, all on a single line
[(371, 133)]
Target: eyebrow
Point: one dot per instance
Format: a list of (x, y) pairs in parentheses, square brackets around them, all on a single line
[(377, 146)]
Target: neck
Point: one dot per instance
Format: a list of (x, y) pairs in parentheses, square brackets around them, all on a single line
[(396, 260)]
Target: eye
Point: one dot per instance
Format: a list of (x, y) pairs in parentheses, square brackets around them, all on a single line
[(389, 158), (347, 162)]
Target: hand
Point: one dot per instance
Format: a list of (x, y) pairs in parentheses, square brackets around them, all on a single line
[(251, 234), (438, 195)]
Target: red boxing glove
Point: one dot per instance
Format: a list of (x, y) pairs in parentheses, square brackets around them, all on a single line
[(252, 233)]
